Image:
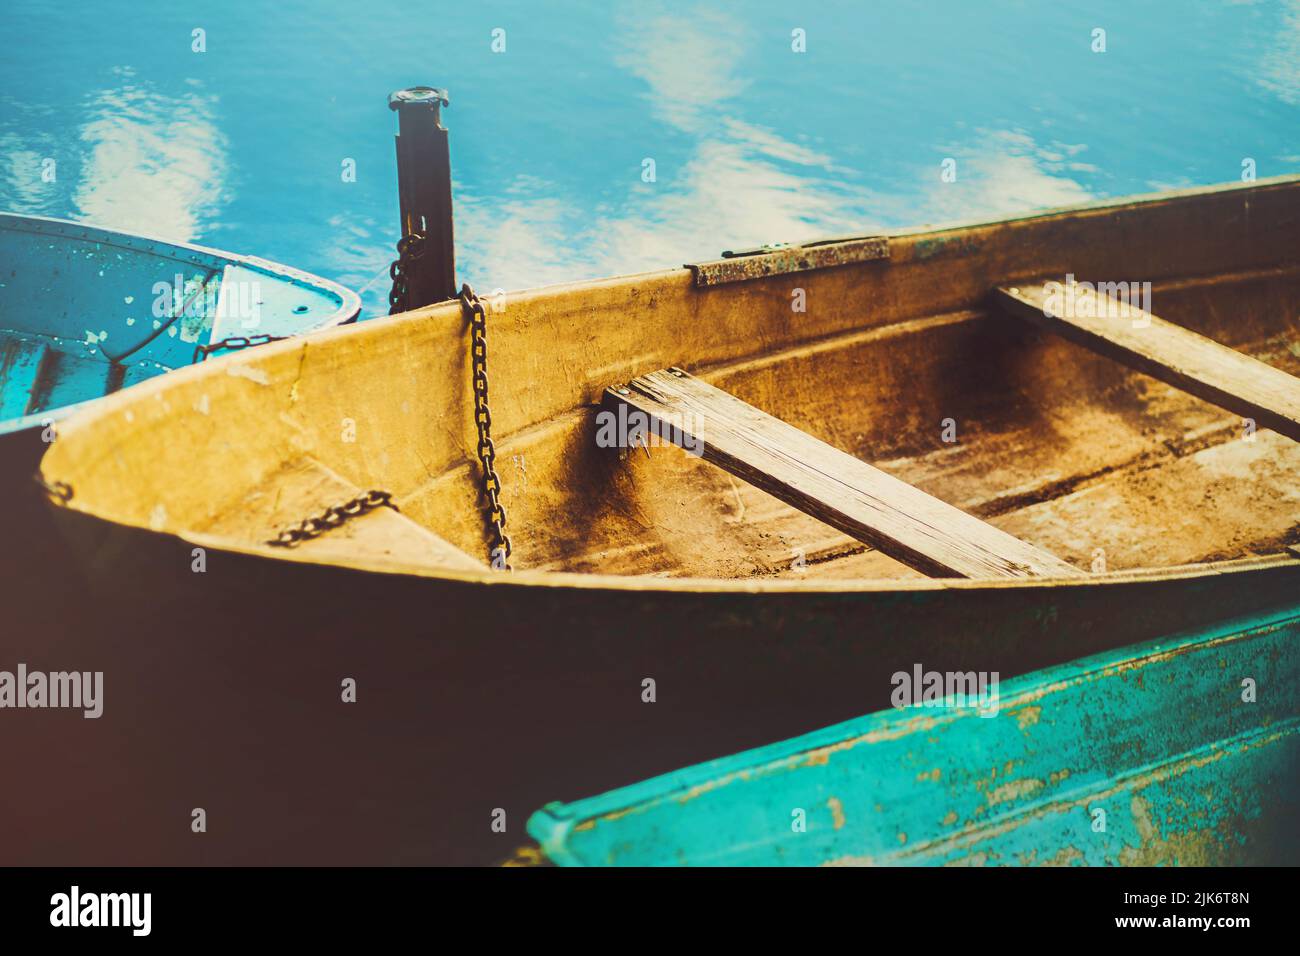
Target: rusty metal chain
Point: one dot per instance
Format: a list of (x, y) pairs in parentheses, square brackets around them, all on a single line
[(332, 518), (59, 491), (472, 306), (409, 248), (234, 342)]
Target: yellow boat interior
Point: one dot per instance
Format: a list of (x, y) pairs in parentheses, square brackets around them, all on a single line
[(906, 362)]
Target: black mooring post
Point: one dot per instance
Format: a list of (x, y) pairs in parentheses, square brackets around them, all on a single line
[(424, 188)]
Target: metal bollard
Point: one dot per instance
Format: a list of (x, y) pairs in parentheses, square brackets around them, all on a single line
[(428, 264)]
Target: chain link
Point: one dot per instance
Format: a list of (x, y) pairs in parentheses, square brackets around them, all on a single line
[(234, 342), (59, 491), (332, 518), (472, 306), (409, 248)]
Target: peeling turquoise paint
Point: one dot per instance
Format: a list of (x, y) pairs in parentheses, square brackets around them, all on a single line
[(85, 311), (1158, 737)]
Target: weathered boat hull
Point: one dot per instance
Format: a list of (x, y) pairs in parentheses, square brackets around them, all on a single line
[(480, 691), (1183, 751), (43, 584), (223, 691)]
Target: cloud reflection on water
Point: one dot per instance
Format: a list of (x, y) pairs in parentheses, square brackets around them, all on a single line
[(689, 63), (153, 163), (26, 142), (742, 184), (1280, 68), (1002, 173)]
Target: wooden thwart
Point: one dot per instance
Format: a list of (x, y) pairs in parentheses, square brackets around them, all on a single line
[(820, 480), (1169, 352)]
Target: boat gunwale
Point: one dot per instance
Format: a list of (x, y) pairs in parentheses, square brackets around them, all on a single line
[(450, 310), (349, 302), (551, 824)]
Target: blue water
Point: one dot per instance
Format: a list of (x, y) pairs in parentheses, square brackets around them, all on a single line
[(243, 146)]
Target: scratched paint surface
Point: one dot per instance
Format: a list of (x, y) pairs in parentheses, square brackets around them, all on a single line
[(1156, 737), (85, 312)]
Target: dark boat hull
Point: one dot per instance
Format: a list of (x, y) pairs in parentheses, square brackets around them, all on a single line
[(223, 692), (42, 583)]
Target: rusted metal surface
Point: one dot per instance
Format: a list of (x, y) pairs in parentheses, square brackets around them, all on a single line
[(333, 517), (1182, 751), (778, 260), (499, 547), (43, 384), (115, 378), (428, 273)]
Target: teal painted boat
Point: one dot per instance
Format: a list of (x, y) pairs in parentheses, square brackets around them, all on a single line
[(85, 311), (1181, 751)]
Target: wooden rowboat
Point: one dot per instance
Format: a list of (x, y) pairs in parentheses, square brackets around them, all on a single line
[(1184, 751), (905, 455)]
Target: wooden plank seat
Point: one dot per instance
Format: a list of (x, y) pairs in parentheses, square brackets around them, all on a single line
[(1175, 355), (820, 480)]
